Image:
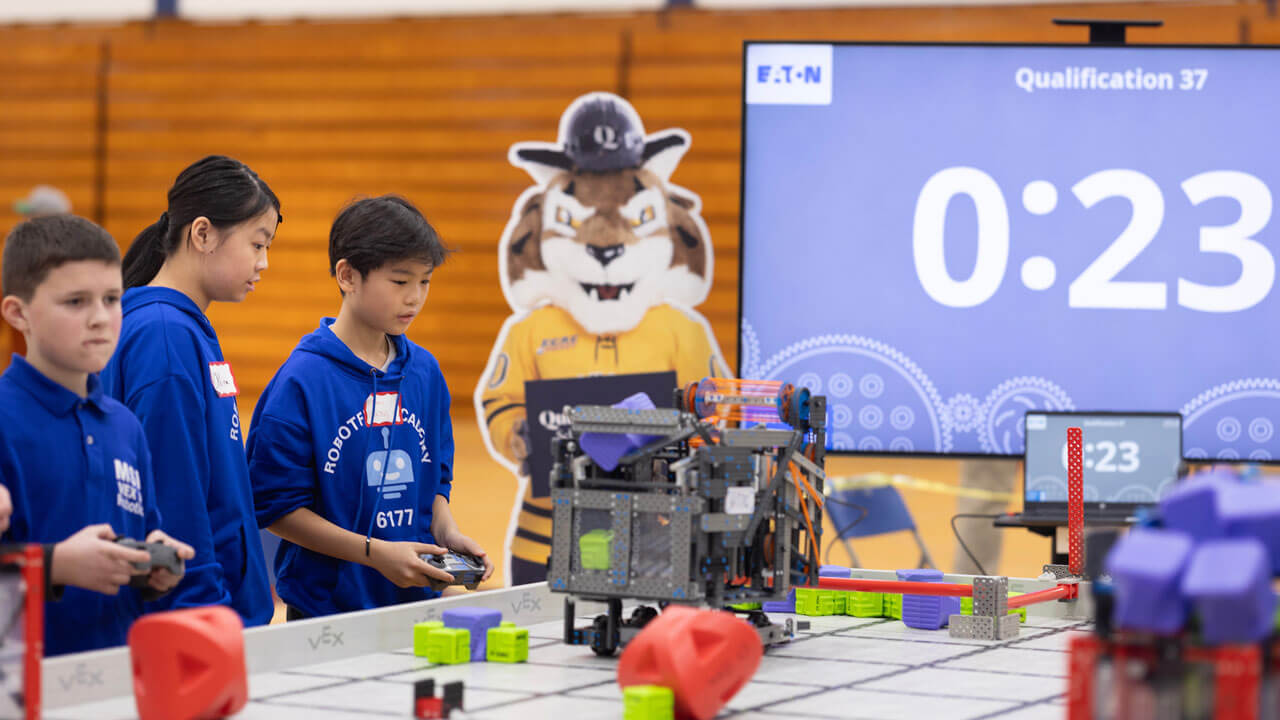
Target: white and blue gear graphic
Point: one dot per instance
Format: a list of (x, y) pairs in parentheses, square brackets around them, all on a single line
[(881, 400), (965, 412), (1001, 431), (1235, 417), (390, 471)]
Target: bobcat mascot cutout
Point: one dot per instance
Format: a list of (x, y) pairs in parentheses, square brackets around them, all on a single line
[(601, 263)]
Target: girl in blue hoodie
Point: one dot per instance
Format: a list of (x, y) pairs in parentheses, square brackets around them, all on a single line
[(351, 448), (209, 246)]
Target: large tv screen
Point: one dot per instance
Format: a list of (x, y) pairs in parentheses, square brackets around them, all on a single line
[(943, 237)]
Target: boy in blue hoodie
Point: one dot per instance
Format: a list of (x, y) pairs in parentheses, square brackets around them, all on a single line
[(351, 446), (74, 461)]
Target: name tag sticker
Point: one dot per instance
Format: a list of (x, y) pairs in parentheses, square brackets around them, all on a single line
[(382, 409), (224, 382)]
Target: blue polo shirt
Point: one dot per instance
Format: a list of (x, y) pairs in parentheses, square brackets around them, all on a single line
[(70, 462)]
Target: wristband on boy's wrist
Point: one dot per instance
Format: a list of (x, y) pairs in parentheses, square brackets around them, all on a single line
[(367, 541)]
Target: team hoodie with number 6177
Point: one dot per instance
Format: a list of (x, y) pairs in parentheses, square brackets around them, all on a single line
[(366, 449)]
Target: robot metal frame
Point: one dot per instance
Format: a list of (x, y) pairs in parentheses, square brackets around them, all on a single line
[(717, 503)]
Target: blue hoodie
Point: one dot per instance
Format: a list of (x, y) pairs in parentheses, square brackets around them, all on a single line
[(169, 370), (70, 462), (313, 445)]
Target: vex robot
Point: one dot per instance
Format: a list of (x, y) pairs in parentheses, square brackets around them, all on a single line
[(717, 503)]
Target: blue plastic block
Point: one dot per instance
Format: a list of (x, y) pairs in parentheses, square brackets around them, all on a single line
[(1253, 510), (1192, 507), (476, 619), (1229, 584), (926, 612), (1146, 568), (839, 571), (606, 449), (782, 606)]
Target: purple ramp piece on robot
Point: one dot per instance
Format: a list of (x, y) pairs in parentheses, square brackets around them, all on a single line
[(606, 449), (782, 606), (1229, 583), (1146, 568), (1193, 507), (839, 571), (926, 612), (1253, 510), (476, 619)]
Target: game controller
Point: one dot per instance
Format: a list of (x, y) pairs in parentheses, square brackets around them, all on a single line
[(467, 570), (162, 556)]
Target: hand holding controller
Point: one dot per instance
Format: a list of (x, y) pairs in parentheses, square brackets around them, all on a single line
[(467, 570), (162, 556)]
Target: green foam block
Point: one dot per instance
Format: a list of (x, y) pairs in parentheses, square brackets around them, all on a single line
[(814, 602), (420, 632), (864, 604), (893, 605), (593, 547), (648, 702), (507, 644), (449, 646)]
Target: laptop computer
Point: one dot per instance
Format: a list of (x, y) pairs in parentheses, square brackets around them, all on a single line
[(1130, 460)]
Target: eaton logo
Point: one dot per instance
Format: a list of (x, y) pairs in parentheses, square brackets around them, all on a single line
[(789, 74)]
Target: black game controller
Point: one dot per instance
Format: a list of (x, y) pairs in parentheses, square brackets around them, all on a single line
[(467, 570), (162, 556)]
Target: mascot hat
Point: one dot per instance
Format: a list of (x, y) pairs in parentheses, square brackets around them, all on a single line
[(604, 133)]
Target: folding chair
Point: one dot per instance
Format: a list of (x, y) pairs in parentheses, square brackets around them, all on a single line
[(886, 513)]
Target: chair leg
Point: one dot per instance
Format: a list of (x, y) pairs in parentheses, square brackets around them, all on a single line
[(926, 559), (853, 557)]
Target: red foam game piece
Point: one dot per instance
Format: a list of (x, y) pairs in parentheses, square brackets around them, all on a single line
[(1075, 501), (704, 656), (189, 664), (1083, 663), (1237, 671), (429, 709)]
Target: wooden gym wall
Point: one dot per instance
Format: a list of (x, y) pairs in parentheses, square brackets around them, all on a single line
[(427, 108)]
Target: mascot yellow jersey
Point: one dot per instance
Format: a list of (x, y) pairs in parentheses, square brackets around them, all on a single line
[(602, 261), (549, 344)]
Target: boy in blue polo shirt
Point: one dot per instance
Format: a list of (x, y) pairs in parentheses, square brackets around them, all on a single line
[(351, 445), (74, 461)]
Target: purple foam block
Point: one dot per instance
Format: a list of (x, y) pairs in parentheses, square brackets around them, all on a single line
[(1229, 583), (782, 606), (476, 619), (1192, 507), (926, 612), (1146, 568), (1253, 510), (839, 571), (606, 449)]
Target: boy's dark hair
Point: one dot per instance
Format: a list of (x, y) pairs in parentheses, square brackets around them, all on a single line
[(220, 188), (37, 246), (372, 232)]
